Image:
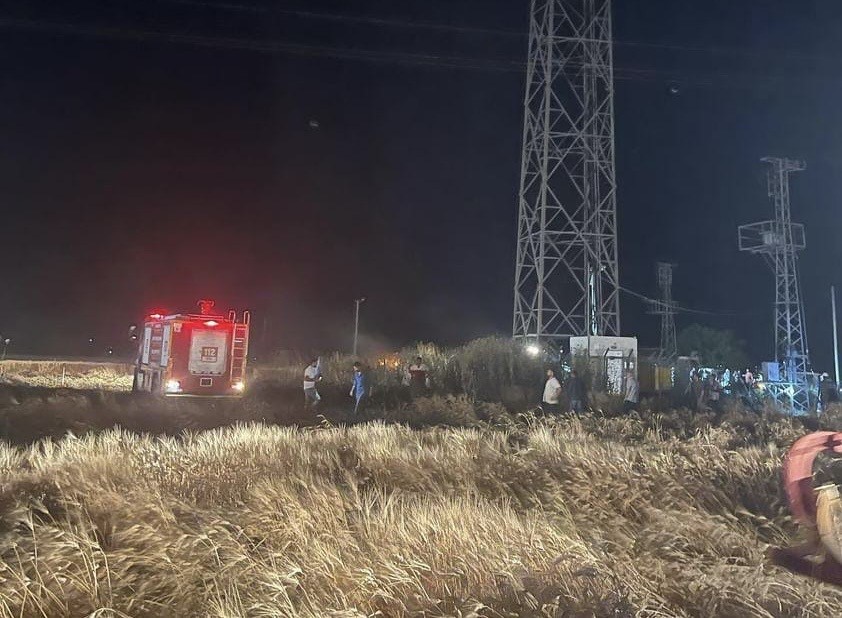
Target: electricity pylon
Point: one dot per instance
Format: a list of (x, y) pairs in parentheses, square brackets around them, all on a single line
[(566, 274), (666, 308), (778, 241)]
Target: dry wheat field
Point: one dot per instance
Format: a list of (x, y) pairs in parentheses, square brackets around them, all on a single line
[(573, 517)]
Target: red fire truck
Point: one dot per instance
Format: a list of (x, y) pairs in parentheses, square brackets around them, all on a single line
[(200, 354)]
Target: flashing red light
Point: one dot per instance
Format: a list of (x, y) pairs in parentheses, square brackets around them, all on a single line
[(211, 323), (155, 316), (206, 306)]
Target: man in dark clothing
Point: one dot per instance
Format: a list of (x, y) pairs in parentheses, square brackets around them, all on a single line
[(419, 381), (713, 392), (828, 392), (694, 392), (576, 392)]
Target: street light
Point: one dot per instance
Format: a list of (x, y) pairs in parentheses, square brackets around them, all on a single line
[(357, 303)]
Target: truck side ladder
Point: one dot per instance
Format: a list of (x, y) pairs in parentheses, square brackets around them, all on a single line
[(239, 349)]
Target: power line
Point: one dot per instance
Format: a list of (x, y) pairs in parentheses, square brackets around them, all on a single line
[(277, 46), (683, 309), (404, 23), (340, 17), (635, 74), (257, 45)]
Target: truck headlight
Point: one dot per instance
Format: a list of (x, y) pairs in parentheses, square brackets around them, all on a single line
[(173, 386), (239, 386)]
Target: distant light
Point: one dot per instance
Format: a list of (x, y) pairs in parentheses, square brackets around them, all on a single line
[(7, 341), (314, 124), (90, 340), (110, 351), (533, 349), (239, 386), (173, 386), (211, 323), (155, 316)]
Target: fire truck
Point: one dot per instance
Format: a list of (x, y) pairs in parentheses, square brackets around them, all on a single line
[(193, 354)]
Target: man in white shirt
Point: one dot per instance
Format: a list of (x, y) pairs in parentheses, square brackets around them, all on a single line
[(312, 374), (552, 393)]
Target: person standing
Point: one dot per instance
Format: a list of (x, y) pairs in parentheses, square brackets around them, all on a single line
[(576, 392), (312, 375), (358, 387), (828, 392), (694, 390), (419, 378), (714, 392), (748, 378), (632, 393), (552, 393)]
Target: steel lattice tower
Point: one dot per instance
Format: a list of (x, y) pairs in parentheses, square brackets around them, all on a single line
[(666, 308), (566, 276), (778, 242)]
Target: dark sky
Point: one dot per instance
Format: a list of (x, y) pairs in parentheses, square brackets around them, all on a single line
[(142, 170)]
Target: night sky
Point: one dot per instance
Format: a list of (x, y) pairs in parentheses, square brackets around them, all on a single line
[(158, 151)]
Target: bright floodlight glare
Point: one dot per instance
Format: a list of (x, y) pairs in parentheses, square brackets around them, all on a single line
[(533, 349), (173, 386), (239, 386)]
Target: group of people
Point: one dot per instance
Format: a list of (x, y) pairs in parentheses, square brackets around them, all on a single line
[(704, 393), (313, 375), (708, 392), (416, 377), (577, 392)]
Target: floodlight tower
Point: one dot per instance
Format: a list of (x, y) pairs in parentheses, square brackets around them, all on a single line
[(566, 274), (666, 308), (778, 242)]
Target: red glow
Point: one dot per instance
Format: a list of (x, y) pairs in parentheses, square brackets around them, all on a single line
[(155, 316), (211, 323)]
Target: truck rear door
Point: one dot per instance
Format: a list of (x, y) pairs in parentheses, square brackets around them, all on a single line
[(208, 352)]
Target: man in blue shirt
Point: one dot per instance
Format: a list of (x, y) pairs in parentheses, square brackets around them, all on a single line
[(358, 386)]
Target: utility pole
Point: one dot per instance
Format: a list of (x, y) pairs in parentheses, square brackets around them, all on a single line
[(779, 241), (566, 271), (357, 303), (666, 308), (835, 336)]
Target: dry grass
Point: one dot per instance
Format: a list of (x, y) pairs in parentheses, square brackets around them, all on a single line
[(578, 517), (67, 374), (488, 369)]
